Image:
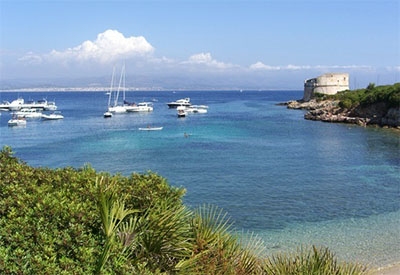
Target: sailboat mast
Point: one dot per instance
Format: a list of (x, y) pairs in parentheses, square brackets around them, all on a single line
[(124, 85), (122, 78), (111, 87)]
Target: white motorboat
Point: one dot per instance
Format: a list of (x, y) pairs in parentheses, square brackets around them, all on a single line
[(15, 105), (197, 109), (29, 113), (181, 111), (140, 107), (4, 105), (179, 102), (45, 105), (20, 103), (149, 128), (107, 114), (17, 121), (52, 116)]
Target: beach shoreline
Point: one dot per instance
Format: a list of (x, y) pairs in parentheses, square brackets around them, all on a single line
[(392, 269)]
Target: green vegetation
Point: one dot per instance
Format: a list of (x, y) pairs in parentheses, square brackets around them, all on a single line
[(388, 94), (316, 261), (79, 221)]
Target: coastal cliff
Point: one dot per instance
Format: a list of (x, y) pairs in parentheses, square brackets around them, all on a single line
[(329, 111), (371, 106)]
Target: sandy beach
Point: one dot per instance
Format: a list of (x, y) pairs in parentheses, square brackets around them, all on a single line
[(388, 270)]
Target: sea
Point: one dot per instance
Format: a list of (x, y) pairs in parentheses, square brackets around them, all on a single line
[(288, 181)]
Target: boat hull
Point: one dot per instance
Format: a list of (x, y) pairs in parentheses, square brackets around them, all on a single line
[(53, 116), (16, 122), (151, 129)]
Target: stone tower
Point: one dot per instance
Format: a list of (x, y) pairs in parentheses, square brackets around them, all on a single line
[(329, 83)]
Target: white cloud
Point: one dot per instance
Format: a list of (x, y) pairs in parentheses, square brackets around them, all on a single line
[(31, 58), (296, 67), (112, 46), (261, 66), (109, 46), (207, 60)]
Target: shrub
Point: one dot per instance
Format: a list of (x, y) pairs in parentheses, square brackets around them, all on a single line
[(388, 94), (310, 261)]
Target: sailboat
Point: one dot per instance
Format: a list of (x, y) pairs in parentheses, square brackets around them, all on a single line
[(108, 113), (115, 106)]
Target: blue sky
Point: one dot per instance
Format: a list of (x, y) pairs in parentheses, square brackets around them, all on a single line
[(188, 44)]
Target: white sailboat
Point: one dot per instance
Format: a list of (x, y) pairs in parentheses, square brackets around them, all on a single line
[(116, 106)]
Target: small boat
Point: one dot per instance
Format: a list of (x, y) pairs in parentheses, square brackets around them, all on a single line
[(53, 116), (179, 102), (107, 114), (28, 113), (46, 105), (181, 111), (149, 128), (17, 121), (140, 107), (197, 109)]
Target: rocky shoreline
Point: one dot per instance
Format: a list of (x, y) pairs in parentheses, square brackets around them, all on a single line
[(377, 114)]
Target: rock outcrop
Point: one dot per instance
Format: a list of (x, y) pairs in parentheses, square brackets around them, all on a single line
[(329, 111)]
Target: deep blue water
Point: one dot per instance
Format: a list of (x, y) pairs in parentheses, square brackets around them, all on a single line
[(275, 173)]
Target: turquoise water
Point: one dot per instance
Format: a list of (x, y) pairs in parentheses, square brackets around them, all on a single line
[(291, 181)]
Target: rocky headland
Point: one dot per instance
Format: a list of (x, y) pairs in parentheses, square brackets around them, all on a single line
[(377, 114)]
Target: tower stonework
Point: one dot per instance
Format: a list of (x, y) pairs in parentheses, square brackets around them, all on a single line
[(329, 83)]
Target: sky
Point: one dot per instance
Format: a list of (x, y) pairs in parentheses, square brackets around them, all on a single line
[(179, 44)]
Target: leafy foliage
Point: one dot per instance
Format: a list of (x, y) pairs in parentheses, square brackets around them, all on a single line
[(314, 261), (216, 250), (78, 221), (388, 94), (50, 220)]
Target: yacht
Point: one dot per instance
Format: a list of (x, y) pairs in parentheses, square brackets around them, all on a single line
[(28, 113), (15, 105), (179, 102), (45, 105)]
